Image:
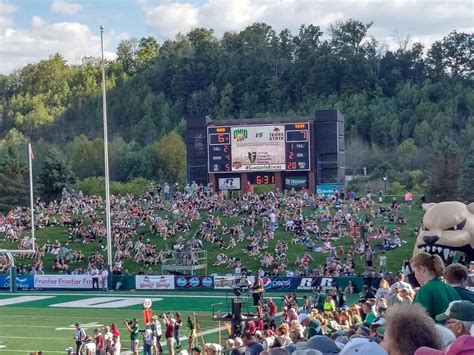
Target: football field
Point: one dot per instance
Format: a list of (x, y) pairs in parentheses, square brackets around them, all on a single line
[(44, 321)]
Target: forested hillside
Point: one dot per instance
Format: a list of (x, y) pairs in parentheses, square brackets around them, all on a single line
[(409, 112)]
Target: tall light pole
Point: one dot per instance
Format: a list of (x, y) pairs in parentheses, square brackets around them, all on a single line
[(106, 165)]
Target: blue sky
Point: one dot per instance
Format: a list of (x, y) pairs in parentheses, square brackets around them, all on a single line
[(31, 30)]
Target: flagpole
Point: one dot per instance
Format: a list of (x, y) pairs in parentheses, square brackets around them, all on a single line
[(106, 165), (30, 156)]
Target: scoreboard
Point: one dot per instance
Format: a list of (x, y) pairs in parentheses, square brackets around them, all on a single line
[(258, 148)]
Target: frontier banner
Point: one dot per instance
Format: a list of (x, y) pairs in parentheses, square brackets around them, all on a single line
[(62, 281)]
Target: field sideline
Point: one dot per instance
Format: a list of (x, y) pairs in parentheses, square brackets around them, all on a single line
[(45, 320)]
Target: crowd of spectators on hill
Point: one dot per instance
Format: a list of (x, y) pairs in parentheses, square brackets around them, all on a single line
[(396, 319), (168, 214)]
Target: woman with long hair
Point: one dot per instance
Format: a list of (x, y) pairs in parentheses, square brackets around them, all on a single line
[(355, 314), (434, 295)]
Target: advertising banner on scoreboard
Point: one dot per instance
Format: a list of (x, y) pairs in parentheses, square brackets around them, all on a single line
[(258, 148), (226, 184), (296, 182), (154, 282)]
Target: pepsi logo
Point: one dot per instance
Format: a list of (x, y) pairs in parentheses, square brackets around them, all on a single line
[(267, 282)]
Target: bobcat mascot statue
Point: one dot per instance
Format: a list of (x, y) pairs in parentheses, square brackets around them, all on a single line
[(448, 228)]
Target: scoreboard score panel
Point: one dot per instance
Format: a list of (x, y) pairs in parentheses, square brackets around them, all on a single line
[(264, 147)]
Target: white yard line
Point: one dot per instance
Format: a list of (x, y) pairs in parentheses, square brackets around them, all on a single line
[(22, 299), (31, 351)]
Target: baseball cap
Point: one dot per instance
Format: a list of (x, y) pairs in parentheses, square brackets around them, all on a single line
[(307, 352), (341, 341), (362, 346), (321, 343), (459, 310), (302, 317), (464, 345)]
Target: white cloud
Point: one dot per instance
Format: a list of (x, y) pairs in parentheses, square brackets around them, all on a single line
[(65, 7), (6, 15), (19, 47), (424, 20), (169, 19)]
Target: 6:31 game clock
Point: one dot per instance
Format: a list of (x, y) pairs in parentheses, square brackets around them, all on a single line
[(262, 178)]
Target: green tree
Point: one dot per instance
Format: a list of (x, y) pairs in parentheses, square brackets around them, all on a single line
[(14, 177), (171, 152), (396, 189), (406, 152), (147, 51), (444, 172), (55, 175), (126, 56), (466, 180), (86, 156)]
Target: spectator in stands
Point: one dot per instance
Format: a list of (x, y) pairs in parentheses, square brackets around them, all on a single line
[(402, 323), (463, 345), (434, 295), (457, 275), (458, 317), (252, 346), (401, 284)]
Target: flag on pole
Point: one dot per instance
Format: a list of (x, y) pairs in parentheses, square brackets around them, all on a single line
[(30, 150)]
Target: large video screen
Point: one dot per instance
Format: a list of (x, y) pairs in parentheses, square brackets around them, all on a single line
[(259, 148)]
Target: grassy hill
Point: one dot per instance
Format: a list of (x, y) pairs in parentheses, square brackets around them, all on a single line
[(394, 257)]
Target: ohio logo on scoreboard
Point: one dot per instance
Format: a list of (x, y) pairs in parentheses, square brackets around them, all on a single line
[(241, 134)]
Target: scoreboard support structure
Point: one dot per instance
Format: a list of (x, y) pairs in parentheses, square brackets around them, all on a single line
[(284, 153)]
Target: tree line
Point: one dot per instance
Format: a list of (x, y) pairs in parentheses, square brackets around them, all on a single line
[(409, 111)]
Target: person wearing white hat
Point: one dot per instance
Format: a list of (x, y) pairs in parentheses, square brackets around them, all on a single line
[(362, 346)]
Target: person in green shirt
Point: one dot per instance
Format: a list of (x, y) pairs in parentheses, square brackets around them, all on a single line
[(132, 327), (456, 275), (434, 295), (369, 314)]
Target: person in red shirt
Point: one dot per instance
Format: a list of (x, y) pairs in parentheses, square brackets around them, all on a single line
[(249, 188), (272, 308), (99, 342), (169, 333)]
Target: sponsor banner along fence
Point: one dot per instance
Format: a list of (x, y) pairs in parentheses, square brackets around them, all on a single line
[(62, 281), (194, 282), (154, 282), (23, 282), (172, 282)]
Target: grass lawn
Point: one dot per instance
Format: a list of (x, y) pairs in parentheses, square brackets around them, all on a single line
[(394, 257)]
